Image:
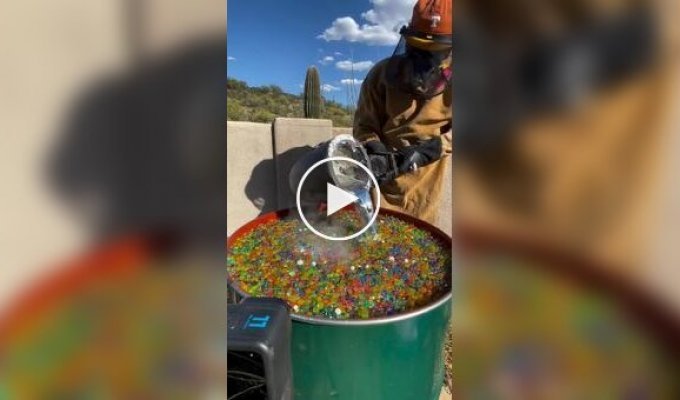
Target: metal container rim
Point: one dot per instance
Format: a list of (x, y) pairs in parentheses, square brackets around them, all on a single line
[(365, 322)]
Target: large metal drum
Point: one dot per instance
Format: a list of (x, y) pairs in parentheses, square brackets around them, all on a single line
[(398, 357)]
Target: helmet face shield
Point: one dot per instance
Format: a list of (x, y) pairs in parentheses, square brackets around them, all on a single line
[(421, 72)]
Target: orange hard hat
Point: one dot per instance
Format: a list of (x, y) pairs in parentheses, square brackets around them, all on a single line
[(431, 26)]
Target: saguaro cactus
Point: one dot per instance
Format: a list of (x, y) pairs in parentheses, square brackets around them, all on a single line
[(312, 95)]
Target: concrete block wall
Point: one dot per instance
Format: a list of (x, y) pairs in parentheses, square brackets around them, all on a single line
[(251, 175), (259, 157), (292, 138)]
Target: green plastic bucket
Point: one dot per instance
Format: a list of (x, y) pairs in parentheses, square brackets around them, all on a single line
[(398, 357)]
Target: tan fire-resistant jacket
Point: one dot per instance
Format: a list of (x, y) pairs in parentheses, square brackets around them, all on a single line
[(396, 118)]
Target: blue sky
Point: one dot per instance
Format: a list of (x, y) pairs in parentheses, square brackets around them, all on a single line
[(273, 42)]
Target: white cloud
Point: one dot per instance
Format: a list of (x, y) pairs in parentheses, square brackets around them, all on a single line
[(380, 26), (337, 54), (347, 65), (326, 60), (351, 81), (329, 88), (230, 58)]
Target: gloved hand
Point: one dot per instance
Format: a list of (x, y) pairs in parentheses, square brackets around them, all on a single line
[(388, 165), (383, 162), (413, 157)]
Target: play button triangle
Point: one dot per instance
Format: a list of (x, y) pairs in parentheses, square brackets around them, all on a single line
[(337, 198)]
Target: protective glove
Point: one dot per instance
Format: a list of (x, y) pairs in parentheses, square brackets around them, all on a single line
[(388, 165), (383, 163), (413, 157)]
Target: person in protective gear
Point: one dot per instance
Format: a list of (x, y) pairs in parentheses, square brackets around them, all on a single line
[(403, 116)]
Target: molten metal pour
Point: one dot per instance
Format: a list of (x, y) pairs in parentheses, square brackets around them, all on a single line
[(349, 176)]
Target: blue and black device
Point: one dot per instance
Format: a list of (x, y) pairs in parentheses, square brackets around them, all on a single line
[(258, 350)]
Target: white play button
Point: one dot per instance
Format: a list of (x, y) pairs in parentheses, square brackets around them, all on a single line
[(336, 199)]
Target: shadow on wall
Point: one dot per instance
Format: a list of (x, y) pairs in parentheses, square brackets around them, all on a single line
[(259, 190), (145, 150)]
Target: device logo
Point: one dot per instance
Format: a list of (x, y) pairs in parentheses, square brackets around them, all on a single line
[(256, 322)]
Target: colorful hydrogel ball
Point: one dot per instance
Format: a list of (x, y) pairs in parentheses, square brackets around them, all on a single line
[(399, 269)]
